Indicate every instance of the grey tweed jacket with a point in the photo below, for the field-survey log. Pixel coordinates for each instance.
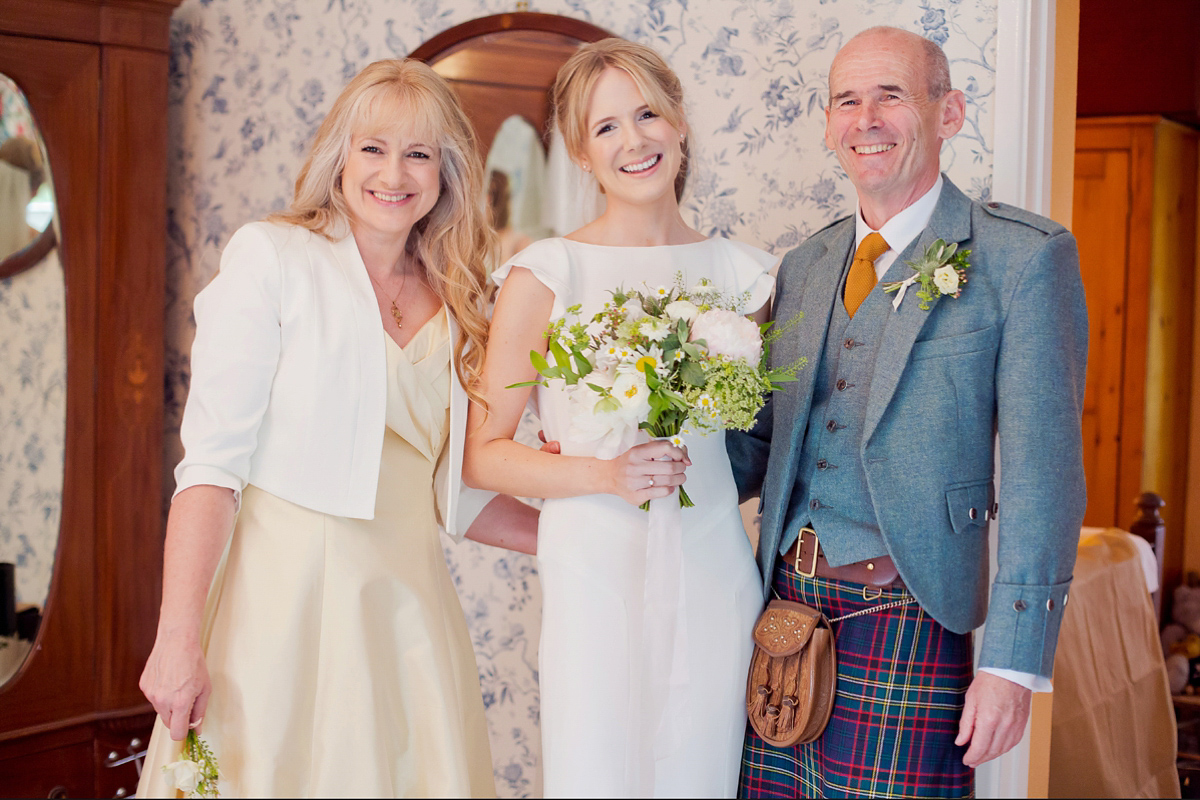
(1007, 357)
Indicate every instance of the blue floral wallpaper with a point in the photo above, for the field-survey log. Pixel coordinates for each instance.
(33, 365)
(251, 79)
(33, 421)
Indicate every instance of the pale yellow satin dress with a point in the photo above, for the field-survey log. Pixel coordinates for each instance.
(340, 660)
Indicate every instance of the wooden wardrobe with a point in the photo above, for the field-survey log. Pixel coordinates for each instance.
(95, 75)
(1135, 219)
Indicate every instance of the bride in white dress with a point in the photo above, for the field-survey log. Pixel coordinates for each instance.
(610, 727)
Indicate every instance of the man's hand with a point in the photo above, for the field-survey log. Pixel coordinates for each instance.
(993, 719)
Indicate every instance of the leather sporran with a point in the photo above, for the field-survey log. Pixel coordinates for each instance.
(793, 674)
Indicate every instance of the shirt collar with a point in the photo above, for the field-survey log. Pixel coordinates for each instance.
(900, 230)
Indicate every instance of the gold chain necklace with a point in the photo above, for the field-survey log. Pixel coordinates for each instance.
(397, 314)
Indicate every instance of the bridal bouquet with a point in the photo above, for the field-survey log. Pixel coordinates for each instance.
(670, 361)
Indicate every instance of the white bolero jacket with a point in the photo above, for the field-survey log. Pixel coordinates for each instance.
(288, 387)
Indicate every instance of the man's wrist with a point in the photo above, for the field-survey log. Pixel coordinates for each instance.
(1035, 683)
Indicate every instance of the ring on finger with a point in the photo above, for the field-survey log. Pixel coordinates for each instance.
(651, 480)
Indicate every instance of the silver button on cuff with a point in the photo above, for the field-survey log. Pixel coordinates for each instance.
(1050, 604)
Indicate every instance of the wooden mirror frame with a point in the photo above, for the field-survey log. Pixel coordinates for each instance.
(515, 21)
(30, 255)
(530, 47)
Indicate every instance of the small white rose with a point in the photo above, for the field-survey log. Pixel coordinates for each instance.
(633, 309)
(945, 278)
(729, 334)
(682, 309)
(183, 775)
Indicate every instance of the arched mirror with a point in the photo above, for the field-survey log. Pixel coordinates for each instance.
(503, 67)
(32, 379)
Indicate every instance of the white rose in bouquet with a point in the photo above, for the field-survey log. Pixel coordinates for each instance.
(682, 309)
(727, 333)
(183, 775)
(633, 309)
(631, 391)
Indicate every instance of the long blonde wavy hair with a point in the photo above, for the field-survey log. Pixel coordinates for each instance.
(454, 241)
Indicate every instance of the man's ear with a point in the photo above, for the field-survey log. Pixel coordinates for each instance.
(954, 113)
(829, 143)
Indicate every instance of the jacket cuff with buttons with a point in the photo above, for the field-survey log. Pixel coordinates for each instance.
(1023, 613)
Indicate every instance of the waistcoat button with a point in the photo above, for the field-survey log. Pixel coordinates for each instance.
(814, 504)
(822, 463)
(1019, 605)
(849, 345)
(841, 385)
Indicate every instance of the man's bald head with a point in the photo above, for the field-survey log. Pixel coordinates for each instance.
(935, 64)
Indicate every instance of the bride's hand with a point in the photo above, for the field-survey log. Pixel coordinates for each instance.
(647, 471)
(176, 683)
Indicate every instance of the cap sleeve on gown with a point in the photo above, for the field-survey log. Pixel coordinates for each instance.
(550, 263)
(751, 273)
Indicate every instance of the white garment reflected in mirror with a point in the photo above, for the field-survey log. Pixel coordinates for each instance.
(533, 195)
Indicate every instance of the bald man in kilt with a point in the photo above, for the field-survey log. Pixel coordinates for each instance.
(875, 468)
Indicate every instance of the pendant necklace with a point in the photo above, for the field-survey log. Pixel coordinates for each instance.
(397, 314)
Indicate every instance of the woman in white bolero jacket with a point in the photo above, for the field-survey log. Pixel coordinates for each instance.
(335, 353)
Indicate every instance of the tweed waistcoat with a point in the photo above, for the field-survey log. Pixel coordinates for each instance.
(831, 492)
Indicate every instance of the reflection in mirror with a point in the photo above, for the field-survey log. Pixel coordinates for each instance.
(503, 80)
(32, 380)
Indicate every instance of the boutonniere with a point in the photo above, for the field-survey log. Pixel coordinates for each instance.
(942, 271)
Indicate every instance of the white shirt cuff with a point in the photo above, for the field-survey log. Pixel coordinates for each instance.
(1036, 683)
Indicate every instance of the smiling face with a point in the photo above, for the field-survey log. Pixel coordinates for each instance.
(885, 128)
(634, 153)
(391, 178)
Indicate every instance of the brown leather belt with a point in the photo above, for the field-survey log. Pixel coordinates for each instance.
(808, 559)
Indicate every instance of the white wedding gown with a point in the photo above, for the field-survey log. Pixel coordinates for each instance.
(600, 737)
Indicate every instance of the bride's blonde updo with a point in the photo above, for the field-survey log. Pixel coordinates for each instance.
(454, 241)
(657, 82)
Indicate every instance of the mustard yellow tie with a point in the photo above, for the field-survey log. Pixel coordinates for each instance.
(862, 279)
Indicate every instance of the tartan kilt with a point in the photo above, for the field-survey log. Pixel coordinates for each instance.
(901, 682)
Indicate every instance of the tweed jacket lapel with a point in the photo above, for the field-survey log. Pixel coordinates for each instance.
(951, 222)
(815, 301)
(814, 297)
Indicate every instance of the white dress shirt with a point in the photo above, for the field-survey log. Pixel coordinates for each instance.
(899, 232)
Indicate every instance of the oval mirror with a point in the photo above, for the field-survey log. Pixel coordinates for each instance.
(502, 68)
(33, 368)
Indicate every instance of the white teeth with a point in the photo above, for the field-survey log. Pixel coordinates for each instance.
(873, 148)
(643, 166)
(390, 198)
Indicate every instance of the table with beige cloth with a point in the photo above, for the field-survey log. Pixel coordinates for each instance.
(1113, 731)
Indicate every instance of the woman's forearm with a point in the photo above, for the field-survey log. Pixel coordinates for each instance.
(198, 526)
(505, 466)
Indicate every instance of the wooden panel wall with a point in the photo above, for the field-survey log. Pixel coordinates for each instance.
(1135, 212)
(1169, 379)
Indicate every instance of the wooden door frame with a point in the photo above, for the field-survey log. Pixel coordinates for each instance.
(1037, 66)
